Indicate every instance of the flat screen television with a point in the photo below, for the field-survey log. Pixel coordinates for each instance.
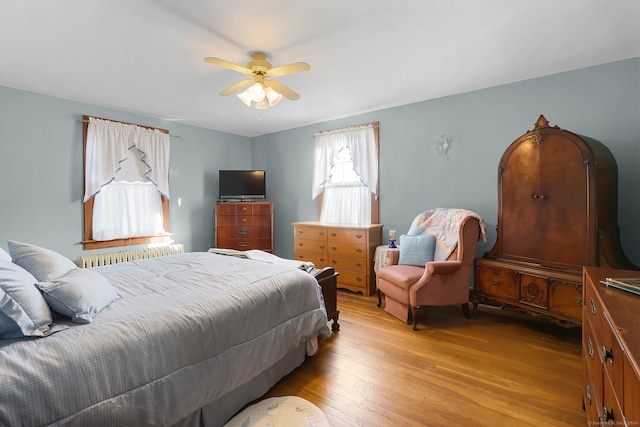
(242, 184)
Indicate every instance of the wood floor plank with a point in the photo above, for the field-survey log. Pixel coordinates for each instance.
(503, 369)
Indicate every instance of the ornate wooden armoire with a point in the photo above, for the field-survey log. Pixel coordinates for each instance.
(557, 212)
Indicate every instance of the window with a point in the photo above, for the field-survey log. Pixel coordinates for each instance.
(345, 176)
(126, 198)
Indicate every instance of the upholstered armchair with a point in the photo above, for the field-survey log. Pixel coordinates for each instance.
(442, 276)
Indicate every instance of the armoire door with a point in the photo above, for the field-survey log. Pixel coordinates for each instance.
(544, 213)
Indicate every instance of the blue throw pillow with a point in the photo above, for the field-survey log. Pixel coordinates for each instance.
(417, 250)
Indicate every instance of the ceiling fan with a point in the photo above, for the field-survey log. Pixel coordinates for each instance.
(261, 92)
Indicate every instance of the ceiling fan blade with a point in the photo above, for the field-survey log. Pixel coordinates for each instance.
(296, 67)
(230, 65)
(236, 87)
(284, 90)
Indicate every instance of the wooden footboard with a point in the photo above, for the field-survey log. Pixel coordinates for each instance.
(327, 278)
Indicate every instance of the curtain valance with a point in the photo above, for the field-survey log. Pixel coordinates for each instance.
(107, 146)
(361, 143)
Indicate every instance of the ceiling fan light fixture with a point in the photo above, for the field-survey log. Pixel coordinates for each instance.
(245, 97)
(257, 92)
(273, 96)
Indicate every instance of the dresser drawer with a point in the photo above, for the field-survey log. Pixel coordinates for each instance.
(347, 250)
(348, 235)
(565, 297)
(247, 232)
(343, 264)
(246, 244)
(310, 232)
(246, 208)
(309, 245)
(318, 259)
(351, 280)
(495, 281)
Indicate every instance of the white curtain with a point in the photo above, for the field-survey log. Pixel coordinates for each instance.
(107, 146)
(126, 204)
(361, 143)
(346, 203)
(127, 209)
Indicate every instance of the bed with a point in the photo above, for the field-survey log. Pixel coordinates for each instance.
(186, 340)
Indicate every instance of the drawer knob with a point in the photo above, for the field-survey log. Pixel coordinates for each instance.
(321, 246)
(358, 236)
(244, 209)
(300, 231)
(579, 300)
(359, 264)
(334, 248)
(358, 279)
(359, 251)
(321, 233)
(587, 389)
(496, 282)
(607, 414)
(334, 234)
(243, 220)
(244, 244)
(590, 345)
(244, 231)
(607, 355)
(593, 306)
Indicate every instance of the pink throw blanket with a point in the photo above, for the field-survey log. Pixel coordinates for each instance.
(444, 223)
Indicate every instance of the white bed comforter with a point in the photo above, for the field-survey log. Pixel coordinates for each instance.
(186, 330)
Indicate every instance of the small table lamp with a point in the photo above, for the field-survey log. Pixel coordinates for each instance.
(392, 239)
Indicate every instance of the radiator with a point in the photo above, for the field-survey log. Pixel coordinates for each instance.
(109, 258)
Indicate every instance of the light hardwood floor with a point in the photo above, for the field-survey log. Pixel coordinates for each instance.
(503, 369)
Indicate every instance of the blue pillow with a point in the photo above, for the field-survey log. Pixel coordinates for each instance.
(417, 250)
(80, 294)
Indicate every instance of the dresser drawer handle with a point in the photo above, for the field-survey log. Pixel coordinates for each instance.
(496, 282)
(359, 264)
(243, 209)
(322, 260)
(334, 248)
(590, 345)
(606, 355)
(320, 233)
(358, 236)
(359, 251)
(321, 246)
(300, 232)
(245, 232)
(587, 389)
(334, 262)
(243, 220)
(579, 300)
(608, 414)
(300, 244)
(244, 244)
(358, 279)
(593, 306)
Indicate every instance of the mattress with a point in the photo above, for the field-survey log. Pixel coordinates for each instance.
(185, 330)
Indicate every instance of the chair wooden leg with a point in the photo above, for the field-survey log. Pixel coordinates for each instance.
(379, 297)
(414, 317)
(465, 310)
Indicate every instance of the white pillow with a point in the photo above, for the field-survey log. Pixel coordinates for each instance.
(23, 310)
(4, 256)
(80, 294)
(44, 264)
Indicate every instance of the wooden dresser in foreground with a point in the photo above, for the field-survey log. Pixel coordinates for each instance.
(244, 225)
(348, 249)
(610, 349)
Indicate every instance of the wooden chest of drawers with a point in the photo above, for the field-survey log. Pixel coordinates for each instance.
(244, 225)
(347, 249)
(610, 350)
(550, 293)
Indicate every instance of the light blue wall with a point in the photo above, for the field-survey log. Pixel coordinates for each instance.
(601, 102)
(41, 157)
(41, 171)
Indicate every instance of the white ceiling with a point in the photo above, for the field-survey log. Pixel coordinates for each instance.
(146, 56)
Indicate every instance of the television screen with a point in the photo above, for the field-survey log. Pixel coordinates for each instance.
(242, 184)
